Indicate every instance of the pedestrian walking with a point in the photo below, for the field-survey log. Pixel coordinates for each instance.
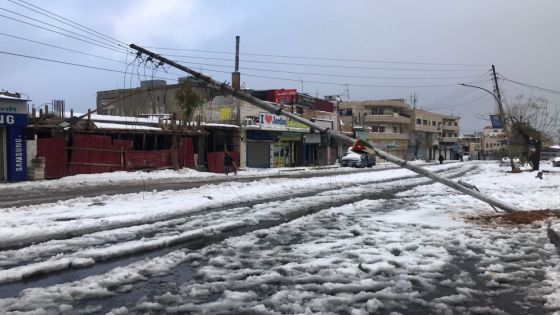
(441, 158)
(229, 164)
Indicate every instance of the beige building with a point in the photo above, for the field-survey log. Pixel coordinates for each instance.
(394, 126)
(492, 142)
(384, 123)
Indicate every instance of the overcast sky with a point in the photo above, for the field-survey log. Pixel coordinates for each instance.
(422, 47)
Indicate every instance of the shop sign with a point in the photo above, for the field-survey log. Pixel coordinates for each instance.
(312, 138)
(267, 120)
(18, 108)
(296, 124)
(13, 120)
(17, 157)
(290, 136)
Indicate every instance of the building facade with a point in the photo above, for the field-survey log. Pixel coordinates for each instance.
(384, 123)
(492, 143)
(392, 125)
(262, 139)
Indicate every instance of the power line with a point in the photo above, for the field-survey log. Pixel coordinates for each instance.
(337, 83)
(461, 104)
(60, 33)
(462, 91)
(332, 75)
(70, 63)
(78, 25)
(324, 65)
(323, 58)
(94, 33)
(59, 47)
(531, 86)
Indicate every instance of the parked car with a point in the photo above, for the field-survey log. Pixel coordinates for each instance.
(555, 161)
(506, 161)
(354, 159)
(465, 157)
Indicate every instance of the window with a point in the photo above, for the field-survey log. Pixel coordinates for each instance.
(377, 111)
(425, 122)
(455, 123)
(345, 112)
(378, 129)
(394, 129)
(418, 121)
(433, 123)
(439, 123)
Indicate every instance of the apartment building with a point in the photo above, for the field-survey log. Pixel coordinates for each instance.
(492, 142)
(408, 133)
(384, 123)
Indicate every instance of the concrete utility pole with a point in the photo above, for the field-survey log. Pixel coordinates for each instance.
(273, 108)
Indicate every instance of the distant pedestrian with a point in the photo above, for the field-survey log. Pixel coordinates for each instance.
(441, 158)
(229, 164)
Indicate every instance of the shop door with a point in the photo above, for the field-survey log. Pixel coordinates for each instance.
(258, 154)
(2, 154)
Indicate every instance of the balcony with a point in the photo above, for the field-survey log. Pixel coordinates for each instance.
(450, 139)
(426, 128)
(397, 119)
(387, 136)
(450, 128)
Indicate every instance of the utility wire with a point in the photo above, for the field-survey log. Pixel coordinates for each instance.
(337, 83)
(460, 104)
(323, 58)
(58, 47)
(69, 63)
(77, 25)
(60, 33)
(531, 86)
(325, 66)
(102, 37)
(331, 75)
(76, 51)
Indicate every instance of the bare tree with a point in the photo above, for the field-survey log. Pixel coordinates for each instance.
(531, 122)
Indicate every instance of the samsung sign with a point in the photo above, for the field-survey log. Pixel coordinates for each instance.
(13, 120)
(17, 161)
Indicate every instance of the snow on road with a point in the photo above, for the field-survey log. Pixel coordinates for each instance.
(410, 252)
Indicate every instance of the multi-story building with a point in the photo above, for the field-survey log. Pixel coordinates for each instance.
(493, 141)
(384, 123)
(470, 144)
(394, 126)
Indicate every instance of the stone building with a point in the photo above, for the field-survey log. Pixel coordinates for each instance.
(384, 123)
(394, 126)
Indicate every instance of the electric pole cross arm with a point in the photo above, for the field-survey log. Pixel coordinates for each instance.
(270, 107)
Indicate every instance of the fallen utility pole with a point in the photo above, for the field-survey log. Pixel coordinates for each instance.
(272, 108)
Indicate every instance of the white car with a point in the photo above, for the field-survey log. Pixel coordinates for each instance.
(354, 159)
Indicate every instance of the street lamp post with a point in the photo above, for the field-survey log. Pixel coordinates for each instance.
(502, 117)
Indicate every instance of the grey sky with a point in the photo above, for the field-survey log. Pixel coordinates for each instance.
(519, 37)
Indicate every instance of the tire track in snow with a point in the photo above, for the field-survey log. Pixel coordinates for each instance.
(214, 233)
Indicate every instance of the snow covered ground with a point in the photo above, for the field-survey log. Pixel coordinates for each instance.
(366, 245)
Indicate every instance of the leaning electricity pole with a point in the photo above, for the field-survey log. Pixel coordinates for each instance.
(503, 117)
(278, 110)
